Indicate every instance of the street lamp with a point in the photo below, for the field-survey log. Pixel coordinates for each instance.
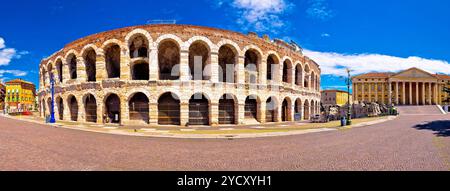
(349, 82)
(52, 89)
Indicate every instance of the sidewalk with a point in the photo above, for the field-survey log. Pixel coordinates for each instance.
(223, 132)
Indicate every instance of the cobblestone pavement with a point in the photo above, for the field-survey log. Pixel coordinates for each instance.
(407, 143)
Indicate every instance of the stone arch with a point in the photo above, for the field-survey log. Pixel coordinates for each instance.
(60, 105)
(286, 109)
(44, 76)
(313, 80)
(49, 105)
(59, 69)
(251, 107)
(273, 61)
(112, 50)
(306, 110)
(168, 109)
(90, 107)
(199, 109)
(230, 43)
(71, 60)
(169, 57)
(50, 70)
(138, 46)
(298, 107)
(72, 104)
(140, 70)
(299, 74)
(252, 65)
(200, 51)
(89, 56)
(287, 70)
(271, 109)
(112, 108)
(228, 60)
(306, 78)
(228, 109)
(212, 47)
(138, 106)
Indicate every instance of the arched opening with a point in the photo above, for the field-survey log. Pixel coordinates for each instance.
(251, 64)
(199, 59)
(298, 108)
(60, 105)
(44, 77)
(227, 114)
(168, 109)
(287, 71)
(313, 107)
(90, 107)
(72, 62)
(198, 110)
(271, 110)
(298, 75)
(112, 108)
(138, 46)
(313, 81)
(227, 63)
(43, 109)
(90, 58)
(168, 58)
(306, 78)
(251, 108)
(306, 112)
(112, 59)
(49, 105)
(272, 65)
(59, 70)
(140, 70)
(73, 108)
(286, 110)
(139, 107)
(50, 72)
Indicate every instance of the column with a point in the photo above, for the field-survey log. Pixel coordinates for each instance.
(376, 92)
(363, 87)
(241, 113)
(355, 91)
(184, 66)
(389, 92)
(81, 70)
(214, 114)
(417, 93)
(435, 95)
(423, 94)
(382, 93)
(125, 63)
(429, 94)
(184, 113)
(100, 68)
(396, 93)
(262, 72)
(153, 113)
(403, 93)
(153, 65)
(262, 111)
(370, 93)
(241, 70)
(215, 67)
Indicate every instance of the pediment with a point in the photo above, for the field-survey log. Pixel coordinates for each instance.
(413, 73)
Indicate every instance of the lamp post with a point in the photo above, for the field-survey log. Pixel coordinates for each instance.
(52, 89)
(349, 113)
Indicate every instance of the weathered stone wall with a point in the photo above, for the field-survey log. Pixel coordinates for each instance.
(184, 88)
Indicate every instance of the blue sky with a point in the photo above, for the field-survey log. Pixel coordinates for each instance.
(370, 35)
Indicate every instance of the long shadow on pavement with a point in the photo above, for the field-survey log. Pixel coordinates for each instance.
(441, 128)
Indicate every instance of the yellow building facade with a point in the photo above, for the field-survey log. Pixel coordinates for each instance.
(335, 97)
(20, 95)
(409, 87)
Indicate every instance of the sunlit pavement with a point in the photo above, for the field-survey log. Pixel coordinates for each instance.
(406, 143)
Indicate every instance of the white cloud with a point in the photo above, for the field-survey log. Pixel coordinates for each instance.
(16, 73)
(335, 63)
(319, 9)
(325, 35)
(7, 54)
(2, 43)
(260, 15)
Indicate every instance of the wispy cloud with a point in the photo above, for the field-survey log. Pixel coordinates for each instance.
(325, 35)
(259, 15)
(6, 54)
(16, 73)
(319, 9)
(335, 63)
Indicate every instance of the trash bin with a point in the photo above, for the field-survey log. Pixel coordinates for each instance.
(343, 121)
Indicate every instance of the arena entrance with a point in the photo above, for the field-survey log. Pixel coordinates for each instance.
(112, 105)
(73, 107)
(139, 108)
(60, 105)
(251, 108)
(285, 110)
(169, 109)
(226, 110)
(90, 107)
(198, 110)
(270, 110)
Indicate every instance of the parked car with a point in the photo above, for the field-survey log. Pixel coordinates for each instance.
(317, 118)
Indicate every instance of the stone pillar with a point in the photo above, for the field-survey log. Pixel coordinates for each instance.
(100, 108)
(383, 97)
(184, 65)
(423, 94)
(262, 72)
(389, 92)
(355, 91)
(363, 90)
(430, 102)
(215, 67)
(101, 73)
(153, 64)
(370, 93)
(240, 78)
(66, 115)
(153, 113)
(410, 93)
(81, 110)
(214, 114)
(240, 114)
(124, 111)
(81, 70)
(66, 74)
(435, 95)
(184, 113)
(125, 64)
(262, 111)
(417, 93)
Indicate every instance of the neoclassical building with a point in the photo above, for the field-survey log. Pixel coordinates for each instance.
(147, 75)
(409, 87)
